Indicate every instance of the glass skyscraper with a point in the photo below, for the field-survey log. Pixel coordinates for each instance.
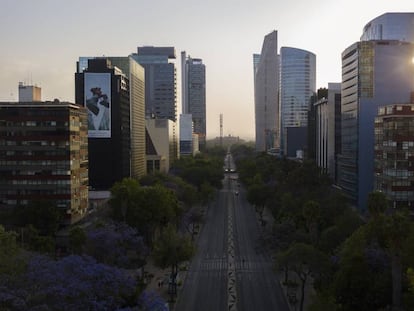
(160, 81)
(297, 85)
(374, 73)
(266, 94)
(135, 73)
(390, 26)
(193, 94)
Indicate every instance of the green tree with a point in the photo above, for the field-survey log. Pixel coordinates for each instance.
(10, 262)
(34, 241)
(148, 209)
(185, 192)
(257, 195)
(123, 195)
(200, 169)
(390, 231)
(77, 239)
(206, 192)
(305, 261)
(43, 215)
(170, 249)
(363, 277)
(311, 211)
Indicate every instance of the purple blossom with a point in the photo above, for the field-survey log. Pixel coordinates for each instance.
(72, 283)
(152, 301)
(116, 244)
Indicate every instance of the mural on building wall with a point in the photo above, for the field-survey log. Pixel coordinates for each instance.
(98, 102)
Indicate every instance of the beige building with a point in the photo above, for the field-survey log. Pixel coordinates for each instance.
(161, 144)
(29, 93)
(136, 77)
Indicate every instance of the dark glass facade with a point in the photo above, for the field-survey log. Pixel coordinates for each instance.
(194, 95)
(109, 154)
(374, 74)
(297, 86)
(160, 81)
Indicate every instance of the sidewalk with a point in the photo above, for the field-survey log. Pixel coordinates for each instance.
(292, 294)
(158, 280)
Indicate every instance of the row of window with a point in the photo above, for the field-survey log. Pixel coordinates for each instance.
(404, 155)
(26, 192)
(35, 153)
(59, 203)
(397, 173)
(61, 164)
(39, 182)
(61, 144)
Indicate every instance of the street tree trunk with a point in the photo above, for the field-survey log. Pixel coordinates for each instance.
(396, 270)
(302, 293)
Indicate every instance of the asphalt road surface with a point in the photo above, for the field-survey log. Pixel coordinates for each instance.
(231, 269)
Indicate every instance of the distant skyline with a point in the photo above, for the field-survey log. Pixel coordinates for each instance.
(42, 40)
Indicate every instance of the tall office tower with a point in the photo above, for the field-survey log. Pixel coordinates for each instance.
(266, 95)
(394, 147)
(256, 61)
(374, 73)
(160, 81)
(193, 77)
(136, 76)
(29, 93)
(44, 156)
(326, 130)
(334, 128)
(390, 26)
(105, 91)
(320, 98)
(297, 86)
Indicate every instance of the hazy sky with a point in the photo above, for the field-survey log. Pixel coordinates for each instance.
(41, 41)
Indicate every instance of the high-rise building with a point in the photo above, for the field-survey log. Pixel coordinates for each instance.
(44, 156)
(390, 26)
(376, 71)
(105, 91)
(160, 81)
(297, 86)
(394, 154)
(29, 93)
(193, 94)
(256, 61)
(266, 95)
(136, 75)
(326, 134)
(374, 74)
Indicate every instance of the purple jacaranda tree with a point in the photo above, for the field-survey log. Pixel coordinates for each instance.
(150, 300)
(76, 279)
(116, 244)
(72, 283)
(191, 219)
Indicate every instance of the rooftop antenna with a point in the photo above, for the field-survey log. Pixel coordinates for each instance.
(221, 129)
